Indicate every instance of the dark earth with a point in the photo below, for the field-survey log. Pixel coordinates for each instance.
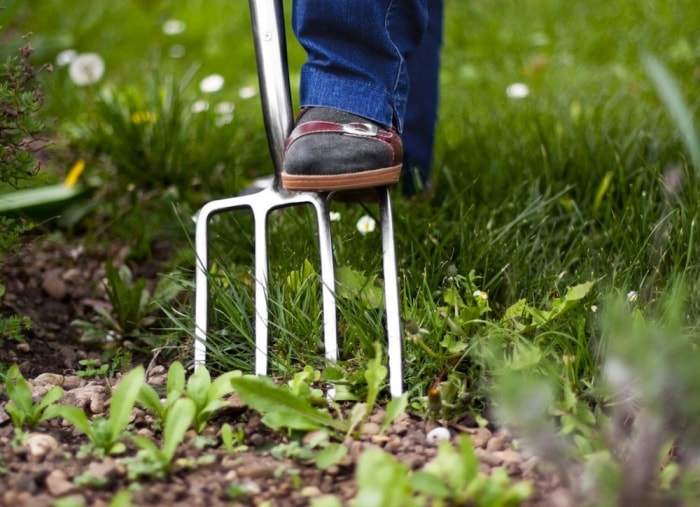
(54, 282)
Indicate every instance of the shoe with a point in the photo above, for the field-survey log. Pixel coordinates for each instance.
(331, 150)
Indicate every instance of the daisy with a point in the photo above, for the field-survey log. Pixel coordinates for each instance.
(518, 91)
(366, 224)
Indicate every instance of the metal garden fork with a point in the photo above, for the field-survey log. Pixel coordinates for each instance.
(267, 18)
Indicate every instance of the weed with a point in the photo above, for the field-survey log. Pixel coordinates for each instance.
(158, 462)
(207, 395)
(107, 434)
(21, 408)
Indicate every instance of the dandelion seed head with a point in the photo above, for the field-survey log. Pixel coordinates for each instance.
(66, 57)
(518, 91)
(366, 224)
(173, 27)
(212, 83)
(86, 69)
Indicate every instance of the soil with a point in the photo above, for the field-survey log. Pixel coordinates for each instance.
(55, 282)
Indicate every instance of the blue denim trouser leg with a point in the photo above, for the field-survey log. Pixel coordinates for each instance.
(421, 113)
(356, 54)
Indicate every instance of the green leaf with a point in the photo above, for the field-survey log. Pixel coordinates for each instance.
(221, 386)
(394, 408)
(382, 481)
(427, 483)
(74, 415)
(18, 390)
(52, 396)
(179, 419)
(123, 401)
(353, 284)
(149, 399)
(286, 410)
(375, 374)
(198, 386)
(330, 456)
(176, 378)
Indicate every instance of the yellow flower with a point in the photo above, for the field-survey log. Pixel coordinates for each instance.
(74, 173)
(143, 117)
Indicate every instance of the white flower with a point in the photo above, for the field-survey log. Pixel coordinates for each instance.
(632, 296)
(366, 224)
(594, 308)
(223, 119)
(212, 83)
(334, 216)
(224, 107)
(86, 69)
(177, 51)
(199, 106)
(518, 91)
(173, 27)
(66, 57)
(482, 294)
(247, 92)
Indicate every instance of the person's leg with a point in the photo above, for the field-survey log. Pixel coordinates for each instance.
(421, 113)
(356, 77)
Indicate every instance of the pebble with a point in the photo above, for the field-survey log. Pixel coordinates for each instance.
(480, 437)
(370, 429)
(54, 286)
(437, 435)
(509, 456)
(108, 469)
(488, 457)
(40, 445)
(58, 484)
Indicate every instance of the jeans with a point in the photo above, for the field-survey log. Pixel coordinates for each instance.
(359, 57)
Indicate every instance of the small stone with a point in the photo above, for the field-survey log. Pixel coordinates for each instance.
(480, 437)
(437, 435)
(39, 445)
(257, 471)
(23, 347)
(370, 429)
(108, 469)
(488, 457)
(496, 443)
(58, 484)
(509, 456)
(314, 438)
(49, 379)
(310, 491)
(378, 416)
(54, 286)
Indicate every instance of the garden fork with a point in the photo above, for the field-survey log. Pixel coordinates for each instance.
(267, 18)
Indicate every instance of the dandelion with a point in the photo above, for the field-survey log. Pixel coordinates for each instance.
(86, 69)
(173, 27)
(632, 296)
(74, 173)
(140, 117)
(66, 57)
(199, 106)
(334, 216)
(518, 91)
(366, 224)
(212, 83)
(247, 92)
(481, 294)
